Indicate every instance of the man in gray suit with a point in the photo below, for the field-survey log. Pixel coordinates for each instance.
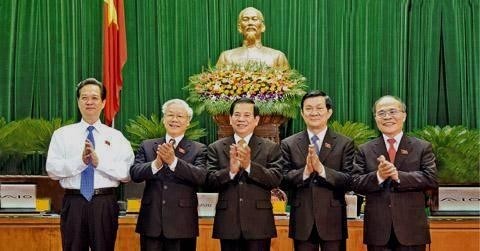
(316, 169)
(393, 171)
(173, 168)
(244, 168)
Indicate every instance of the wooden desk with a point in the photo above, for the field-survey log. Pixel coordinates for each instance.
(24, 232)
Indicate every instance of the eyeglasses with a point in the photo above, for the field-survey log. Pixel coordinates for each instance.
(178, 116)
(384, 113)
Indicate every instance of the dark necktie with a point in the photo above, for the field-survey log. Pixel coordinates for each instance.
(391, 150)
(315, 144)
(172, 141)
(86, 183)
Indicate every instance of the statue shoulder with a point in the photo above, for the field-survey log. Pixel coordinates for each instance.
(272, 51)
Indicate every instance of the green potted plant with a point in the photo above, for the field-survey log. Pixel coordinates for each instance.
(357, 131)
(277, 92)
(24, 138)
(457, 150)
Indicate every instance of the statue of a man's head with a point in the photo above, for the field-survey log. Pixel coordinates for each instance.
(250, 23)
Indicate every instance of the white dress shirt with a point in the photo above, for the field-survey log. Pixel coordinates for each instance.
(64, 159)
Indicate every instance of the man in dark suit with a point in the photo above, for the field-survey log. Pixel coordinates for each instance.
(173, 168)
(393, 171)
(316, 168)
(243, 169)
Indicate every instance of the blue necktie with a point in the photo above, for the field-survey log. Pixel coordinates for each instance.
(86, 183)
(315, 144)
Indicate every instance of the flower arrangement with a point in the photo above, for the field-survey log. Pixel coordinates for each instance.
(276, 91)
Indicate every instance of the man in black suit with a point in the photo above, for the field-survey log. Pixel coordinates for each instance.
(393, 171)
(244, 168)
(316, 168)
(173, 168)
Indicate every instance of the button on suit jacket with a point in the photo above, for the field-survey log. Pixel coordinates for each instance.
(244, 206)
(401, 205)
(169, 203)
(318, 202)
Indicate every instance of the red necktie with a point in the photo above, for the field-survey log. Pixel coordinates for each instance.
(391, 150)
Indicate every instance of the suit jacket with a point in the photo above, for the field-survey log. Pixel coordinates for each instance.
(318, 202)
(244, 206)
(169, 203)
(401, 205)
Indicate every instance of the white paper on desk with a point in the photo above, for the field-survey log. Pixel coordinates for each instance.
(206, 204)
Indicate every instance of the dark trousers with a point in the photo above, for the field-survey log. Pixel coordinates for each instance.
(314, 242)
(85, 224)
(245, 245)
(394, 245)
(164, 244)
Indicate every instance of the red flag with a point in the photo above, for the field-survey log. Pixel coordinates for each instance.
(114, 55)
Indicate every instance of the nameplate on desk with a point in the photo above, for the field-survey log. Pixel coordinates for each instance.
(459, 199)
(18, 196)
(206, 204)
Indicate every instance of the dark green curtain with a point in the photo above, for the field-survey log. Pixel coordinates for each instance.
(427, 52)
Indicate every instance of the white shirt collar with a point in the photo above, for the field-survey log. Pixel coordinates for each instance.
(177, 139)
(98, 125)
(397, 138)
(320, 135)
(246, 138)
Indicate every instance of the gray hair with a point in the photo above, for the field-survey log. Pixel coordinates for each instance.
(178, 102)
(404, 107)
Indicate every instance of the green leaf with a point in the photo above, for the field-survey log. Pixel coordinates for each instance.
(358, 132)
(457, 150)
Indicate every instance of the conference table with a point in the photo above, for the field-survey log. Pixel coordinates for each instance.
(42, 232)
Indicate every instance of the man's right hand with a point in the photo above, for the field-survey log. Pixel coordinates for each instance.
(158, 160)
(309, 165)
(234, 161)
(386, 169)
(87, 151)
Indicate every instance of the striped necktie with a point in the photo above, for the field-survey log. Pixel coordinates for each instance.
(315, 144)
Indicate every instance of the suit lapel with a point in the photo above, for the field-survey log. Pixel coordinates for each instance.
(155, 145)
(182, 148)
(226, 145)
(255, 145)
(327, 145)
(404, 148)
(380, 148)
(302, 143)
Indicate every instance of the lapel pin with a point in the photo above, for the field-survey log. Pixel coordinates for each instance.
(403, 151)
(327, 145)
(181, 150)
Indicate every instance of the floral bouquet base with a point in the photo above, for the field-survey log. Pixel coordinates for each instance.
(275, 90)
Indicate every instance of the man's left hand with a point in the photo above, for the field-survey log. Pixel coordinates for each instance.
(167, 153)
